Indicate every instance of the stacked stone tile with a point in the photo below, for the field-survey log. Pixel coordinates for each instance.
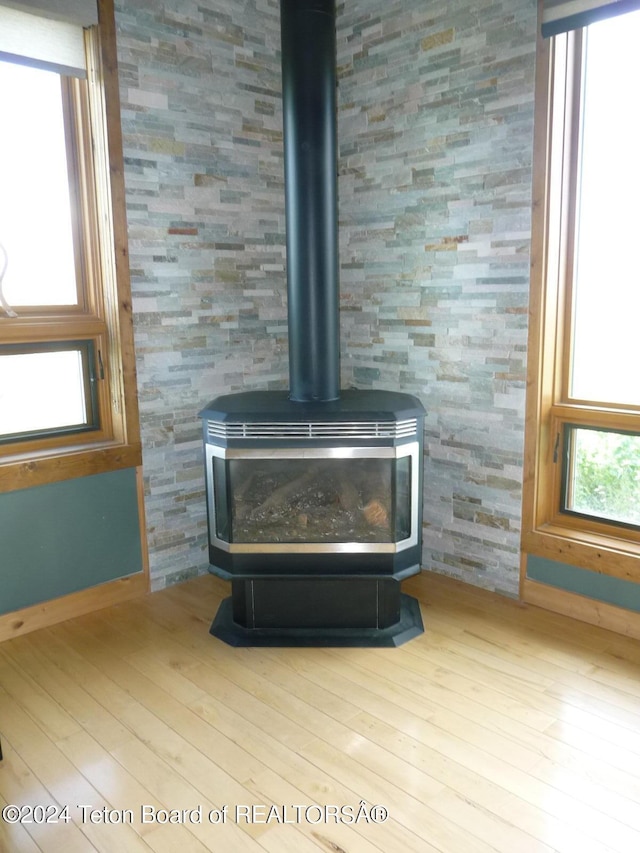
(435, 134)
(201, 113)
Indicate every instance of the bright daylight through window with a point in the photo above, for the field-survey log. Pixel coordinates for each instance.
(606, 343)
(35, 207)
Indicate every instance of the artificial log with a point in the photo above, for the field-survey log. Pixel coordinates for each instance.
(348, 495)
(288, 490)
(376, 513)
(377, 510)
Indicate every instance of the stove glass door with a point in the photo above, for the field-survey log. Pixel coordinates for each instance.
(365, 496)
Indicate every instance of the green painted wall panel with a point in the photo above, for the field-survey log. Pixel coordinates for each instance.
(64, 537)
(572, 579)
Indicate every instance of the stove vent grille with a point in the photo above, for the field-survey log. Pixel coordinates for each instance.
(313, 429)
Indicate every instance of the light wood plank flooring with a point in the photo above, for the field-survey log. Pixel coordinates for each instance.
(502, 728)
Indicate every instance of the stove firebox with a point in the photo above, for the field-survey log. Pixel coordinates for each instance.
(314, 516)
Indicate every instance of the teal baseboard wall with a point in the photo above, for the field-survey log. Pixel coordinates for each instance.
(604, 588)
(65, 537)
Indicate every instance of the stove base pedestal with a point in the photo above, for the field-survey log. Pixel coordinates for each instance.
(408, 625)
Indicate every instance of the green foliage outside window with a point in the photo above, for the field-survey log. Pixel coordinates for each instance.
(606, 475)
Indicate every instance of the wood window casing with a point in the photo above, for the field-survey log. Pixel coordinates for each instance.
(103, 313)
(548, 531)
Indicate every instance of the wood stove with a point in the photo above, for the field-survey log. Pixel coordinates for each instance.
(313, 496)
(314, 515)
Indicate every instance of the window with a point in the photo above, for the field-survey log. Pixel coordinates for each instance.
(67, 384)
(52, 376)
(61, 380)
(601, 475)
(582, 489)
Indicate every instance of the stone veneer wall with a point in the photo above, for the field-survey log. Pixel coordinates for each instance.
(435, 139)
(202, 128)
(435, 136)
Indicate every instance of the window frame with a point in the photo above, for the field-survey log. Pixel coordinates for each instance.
(90, 376)
(39, 325)
(103, 316)
(549, 531)
(568, 450)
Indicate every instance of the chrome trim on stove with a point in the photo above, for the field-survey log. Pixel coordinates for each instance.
(312, 547)
(313, 429)
(212, 451)
(310, 452)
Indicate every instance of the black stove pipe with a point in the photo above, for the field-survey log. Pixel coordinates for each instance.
(310, 158)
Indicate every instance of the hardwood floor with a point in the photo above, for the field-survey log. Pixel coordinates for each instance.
(502, 728)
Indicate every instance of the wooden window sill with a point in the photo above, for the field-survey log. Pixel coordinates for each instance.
(596, 552)
(21, 471)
